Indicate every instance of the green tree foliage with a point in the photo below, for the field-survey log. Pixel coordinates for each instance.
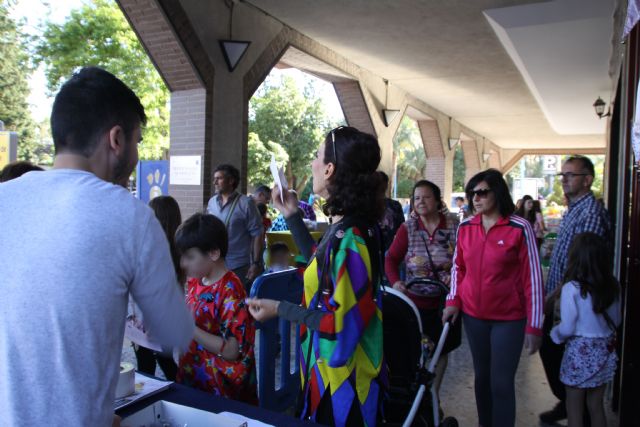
(259, 159)
(459, 169)
(292, 119)
(15, 70)
(98, 34)
(408, 156)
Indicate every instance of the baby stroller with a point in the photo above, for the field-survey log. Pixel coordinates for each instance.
(411, 399)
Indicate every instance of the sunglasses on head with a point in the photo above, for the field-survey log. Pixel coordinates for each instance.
(333, 143)
(480, 193)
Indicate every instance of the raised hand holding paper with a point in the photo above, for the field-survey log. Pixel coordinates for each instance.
(278, 177)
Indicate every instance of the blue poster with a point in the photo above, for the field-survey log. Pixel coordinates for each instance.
(152, 179)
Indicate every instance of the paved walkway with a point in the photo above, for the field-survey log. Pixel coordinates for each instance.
(533, 394)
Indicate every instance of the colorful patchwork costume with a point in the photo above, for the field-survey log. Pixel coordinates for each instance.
(343, 360)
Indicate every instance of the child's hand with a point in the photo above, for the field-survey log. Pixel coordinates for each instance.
(263, 309)
(532, 343)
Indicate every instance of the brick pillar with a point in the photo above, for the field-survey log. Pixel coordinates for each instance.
(471, 159)
(354, 106)
(439, 169)
(188, 125)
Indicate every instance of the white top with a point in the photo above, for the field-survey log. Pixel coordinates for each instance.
(577, 316)
(72, 249)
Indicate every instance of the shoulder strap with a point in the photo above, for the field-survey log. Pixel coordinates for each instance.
(231, 209)
(426, 245)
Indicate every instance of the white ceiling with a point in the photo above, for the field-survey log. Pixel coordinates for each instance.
(446, 53)
(562, 50)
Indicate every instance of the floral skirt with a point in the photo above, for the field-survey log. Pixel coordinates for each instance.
(588, 362)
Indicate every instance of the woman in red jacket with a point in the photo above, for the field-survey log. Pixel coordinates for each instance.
(496, 282)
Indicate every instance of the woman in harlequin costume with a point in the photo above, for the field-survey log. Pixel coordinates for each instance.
(340, 314)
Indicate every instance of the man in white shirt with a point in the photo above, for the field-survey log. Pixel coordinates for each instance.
(74, 245)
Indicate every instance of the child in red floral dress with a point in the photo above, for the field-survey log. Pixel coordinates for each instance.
(220, 358)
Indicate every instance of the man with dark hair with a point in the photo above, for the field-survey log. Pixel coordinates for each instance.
(74, 246)
(262, 195)
(244, 224)
(585, 214)
(16, 169)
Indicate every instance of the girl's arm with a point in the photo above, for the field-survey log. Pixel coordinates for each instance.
(568, 314)
(228, 349)
(540, 220)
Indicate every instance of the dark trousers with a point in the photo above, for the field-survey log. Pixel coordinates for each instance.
(147, 359)
(495, 347)
(551, 355)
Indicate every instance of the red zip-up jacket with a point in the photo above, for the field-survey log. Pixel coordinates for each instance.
(496, 275)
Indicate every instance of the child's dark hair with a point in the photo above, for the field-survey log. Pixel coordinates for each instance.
(204, 232)
(167, 211)
(262, 208)
(278, 247)
(17, 169)
(589, 264)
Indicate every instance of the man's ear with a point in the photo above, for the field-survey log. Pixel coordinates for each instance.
(117, 139)
(588, 181)
(214, 255)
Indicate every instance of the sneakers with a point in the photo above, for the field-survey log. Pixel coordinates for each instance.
(559, 412)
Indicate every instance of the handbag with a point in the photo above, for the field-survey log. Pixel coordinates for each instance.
(428, 287)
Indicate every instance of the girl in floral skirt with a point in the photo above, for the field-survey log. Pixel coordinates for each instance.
(590, 314)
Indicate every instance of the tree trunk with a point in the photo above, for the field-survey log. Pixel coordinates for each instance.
(303, 183)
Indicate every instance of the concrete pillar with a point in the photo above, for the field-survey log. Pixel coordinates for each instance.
(471, 159)
(439, 169)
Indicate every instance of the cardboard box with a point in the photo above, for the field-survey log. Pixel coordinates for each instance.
(167, 414)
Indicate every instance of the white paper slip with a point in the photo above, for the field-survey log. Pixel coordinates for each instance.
(278, 177)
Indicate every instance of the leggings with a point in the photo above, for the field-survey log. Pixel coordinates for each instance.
(495, 347)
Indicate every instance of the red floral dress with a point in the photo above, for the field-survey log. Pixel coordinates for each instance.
(219, 309)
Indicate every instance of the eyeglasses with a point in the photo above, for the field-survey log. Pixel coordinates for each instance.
(570, 175)
(482, 193)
